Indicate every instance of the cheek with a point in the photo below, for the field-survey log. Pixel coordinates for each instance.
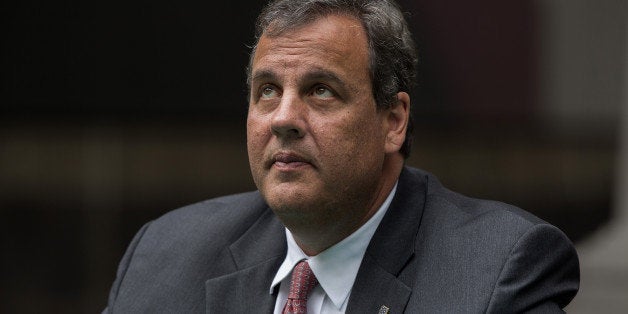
(351, 137)
(255, 142)
(255, 132)
(255, 150)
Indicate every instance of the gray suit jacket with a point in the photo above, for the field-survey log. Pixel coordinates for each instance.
(435, 251)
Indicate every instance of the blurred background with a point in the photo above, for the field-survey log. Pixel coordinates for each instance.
(113, 113)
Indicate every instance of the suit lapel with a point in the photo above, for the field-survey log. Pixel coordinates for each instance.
(245, 291)
(377, 288)
(384, 277)
(256, 256)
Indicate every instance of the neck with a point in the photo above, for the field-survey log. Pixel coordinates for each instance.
(314, 237)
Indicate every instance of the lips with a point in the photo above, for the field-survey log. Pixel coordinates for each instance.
(288, 160)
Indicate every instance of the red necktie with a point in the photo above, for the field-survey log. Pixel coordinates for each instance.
(303, 281)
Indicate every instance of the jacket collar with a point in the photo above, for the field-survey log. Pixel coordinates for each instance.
(256, 256)
(381, 281)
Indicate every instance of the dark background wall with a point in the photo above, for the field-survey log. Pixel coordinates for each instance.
(112, 114)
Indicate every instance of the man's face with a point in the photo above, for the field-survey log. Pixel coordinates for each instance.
(315, 138)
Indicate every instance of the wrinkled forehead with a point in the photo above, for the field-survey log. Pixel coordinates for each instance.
(289, 22)
(333, 36)
(281, 28)
(346, 31)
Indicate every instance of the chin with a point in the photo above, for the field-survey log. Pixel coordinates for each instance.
(284, 202)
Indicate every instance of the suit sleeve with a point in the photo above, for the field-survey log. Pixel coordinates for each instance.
(122, 268)
(540, 275)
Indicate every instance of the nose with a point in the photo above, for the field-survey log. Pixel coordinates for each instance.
(288, 119)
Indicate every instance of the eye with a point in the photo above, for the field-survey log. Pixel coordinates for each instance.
(322, 91)
(268, 91)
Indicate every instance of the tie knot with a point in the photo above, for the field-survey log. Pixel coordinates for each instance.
(303, 281)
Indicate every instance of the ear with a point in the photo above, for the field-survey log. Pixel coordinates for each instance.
(397, 122)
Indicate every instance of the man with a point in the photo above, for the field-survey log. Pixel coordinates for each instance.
(339, 225)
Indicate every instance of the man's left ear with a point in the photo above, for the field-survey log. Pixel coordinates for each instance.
(397, 122)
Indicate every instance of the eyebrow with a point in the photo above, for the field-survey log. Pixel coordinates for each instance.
(264, 75)
(316, 74)
(323, 75)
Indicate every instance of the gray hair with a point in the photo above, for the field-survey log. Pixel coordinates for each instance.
(392, 53)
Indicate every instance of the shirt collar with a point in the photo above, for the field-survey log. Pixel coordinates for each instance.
(337, 267)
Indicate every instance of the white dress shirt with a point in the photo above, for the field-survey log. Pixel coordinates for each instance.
(335, 268)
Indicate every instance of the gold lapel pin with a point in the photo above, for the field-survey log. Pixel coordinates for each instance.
(383, 310)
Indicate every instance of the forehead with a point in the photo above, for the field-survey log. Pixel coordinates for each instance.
(335, 41)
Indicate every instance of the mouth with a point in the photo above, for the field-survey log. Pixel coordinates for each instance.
(288, 161)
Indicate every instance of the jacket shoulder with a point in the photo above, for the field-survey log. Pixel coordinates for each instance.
(457, 208)
(479, 252)
(222, 219)
(171, 257)
(220, 210)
